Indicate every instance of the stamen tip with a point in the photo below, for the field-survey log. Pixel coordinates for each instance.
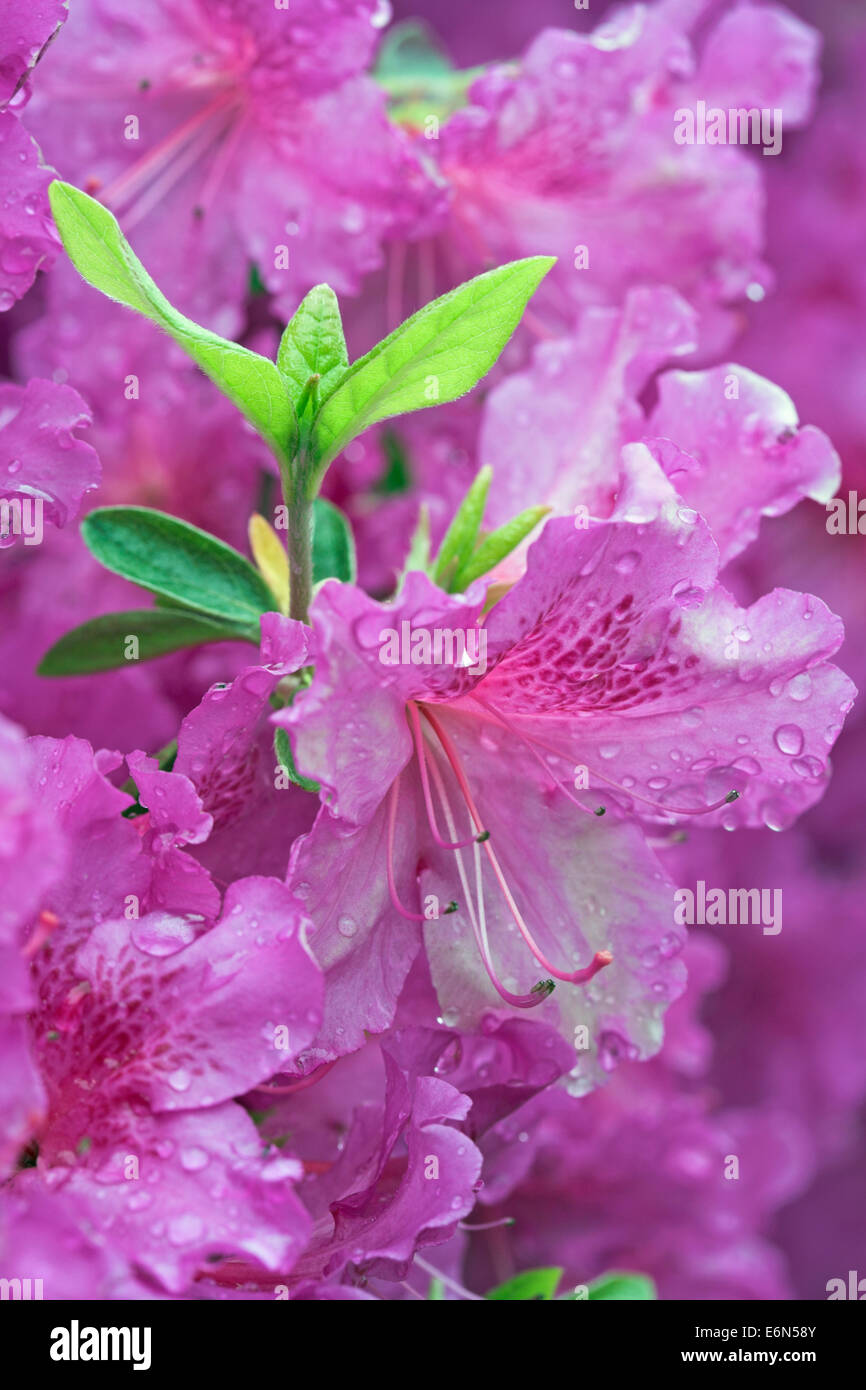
(600, 810)
(485, 835)
(732, 796)
(452, 907)
(544, 988)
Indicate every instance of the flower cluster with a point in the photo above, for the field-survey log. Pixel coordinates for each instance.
(413, 594)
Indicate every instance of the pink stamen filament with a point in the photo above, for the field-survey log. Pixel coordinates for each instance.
(425, 784)
(518, 1001)
(46, 924)
(392, 886)
(635, 796)
(599, 960)
(168, 151)
(557, 781)
(162, 153)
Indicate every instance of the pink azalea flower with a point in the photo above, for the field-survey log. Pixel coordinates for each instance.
(730, 441)
(148, 1022)
(401, 1180)
(575, 149)
(611, 659)
(251, 128)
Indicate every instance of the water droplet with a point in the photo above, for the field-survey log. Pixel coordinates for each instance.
(627, 562)
(193, 1160)
(687, 595)
(381, 14)
(180, 1080)
(800, 686)
(182, 1230)
(347, 926)
(788, 738)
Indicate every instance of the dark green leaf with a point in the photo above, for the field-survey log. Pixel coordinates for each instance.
(333, 544)
(180, 563)
(102, 643)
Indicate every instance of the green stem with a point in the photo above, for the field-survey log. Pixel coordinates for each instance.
(298, 494)
(300, 546)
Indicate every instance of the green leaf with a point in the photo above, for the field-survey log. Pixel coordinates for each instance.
(620, 1286)
(102, 255)
(462, 534)
(497, 545)
(313, 344)
(435, 356)
(180, 563)
(532, 1284)
(333, 544)
(285, 758)
(101, 643)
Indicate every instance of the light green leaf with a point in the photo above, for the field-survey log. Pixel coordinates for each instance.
(462, 534)
(435, 356)
(102, 255)
(620, 1286)
(497, 545)
(333, 544)
(180, 563)
(313, 344)
(102, 643)
(533, 1284)
(285, 758)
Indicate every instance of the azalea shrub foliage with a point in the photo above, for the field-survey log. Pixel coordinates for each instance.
(428, 770)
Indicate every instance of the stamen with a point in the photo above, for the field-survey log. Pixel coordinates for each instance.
(392, 886)
(488, 1225)
(186, 159)
(557, 782)
(574, 977)
(46, 924)
(136, 176)
(519, 1001)
(420, 754)
(635, 796)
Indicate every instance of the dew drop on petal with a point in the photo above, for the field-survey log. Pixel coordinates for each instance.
(788, 738)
